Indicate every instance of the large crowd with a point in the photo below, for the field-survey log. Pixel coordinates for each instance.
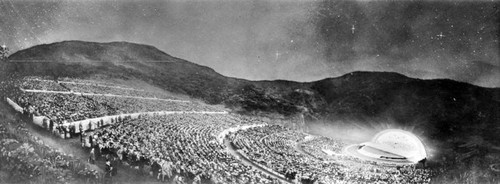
(133, 105)
(41, 84)
(173, 146)
(61, 108)
(110, 89)
(103, 87)
(277, 149)
(185, 148)
(323, 147)
(89, 81)
(86, 86)
(71, 107)
(274, 147)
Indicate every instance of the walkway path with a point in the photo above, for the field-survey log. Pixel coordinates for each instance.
(85, 124)
(126, 174)
(232, 150)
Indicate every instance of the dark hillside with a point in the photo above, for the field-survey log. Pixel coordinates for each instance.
(445, 109)
(124, 61)
(79, 51)
(442, 107)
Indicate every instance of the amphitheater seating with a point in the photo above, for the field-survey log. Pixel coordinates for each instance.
(323, 147)
(41, 84)
(189, 144)
(187, 141)
(116, 90)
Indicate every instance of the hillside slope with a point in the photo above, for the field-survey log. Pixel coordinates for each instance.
(442, 109)
(120, 60)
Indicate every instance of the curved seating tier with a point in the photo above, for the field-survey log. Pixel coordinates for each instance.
(276, 148)
(189, 142)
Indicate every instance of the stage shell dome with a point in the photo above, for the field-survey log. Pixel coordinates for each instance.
(400, 142)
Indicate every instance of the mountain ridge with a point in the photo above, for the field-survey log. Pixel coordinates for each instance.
(441, 108)
(93, 50)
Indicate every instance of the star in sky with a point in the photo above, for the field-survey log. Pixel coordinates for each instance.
(440, 35)
(315, 39)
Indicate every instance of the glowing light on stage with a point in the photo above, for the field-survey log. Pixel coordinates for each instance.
(403, 143)
(391, 145)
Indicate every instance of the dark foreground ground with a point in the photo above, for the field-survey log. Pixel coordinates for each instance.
(44, 143)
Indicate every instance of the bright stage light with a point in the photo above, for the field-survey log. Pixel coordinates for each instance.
(391, 145)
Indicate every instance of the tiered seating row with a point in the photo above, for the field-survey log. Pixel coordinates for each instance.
(275, 148)
(187, 144)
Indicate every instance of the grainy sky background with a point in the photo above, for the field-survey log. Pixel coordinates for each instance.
(293, 40)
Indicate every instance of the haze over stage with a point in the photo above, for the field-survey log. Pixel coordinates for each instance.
(176, 78)
(189, 139)
(450, 112)
(391, 146)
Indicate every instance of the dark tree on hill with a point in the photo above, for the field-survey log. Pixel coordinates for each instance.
(4, 52)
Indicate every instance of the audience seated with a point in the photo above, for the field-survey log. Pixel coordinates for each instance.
(188, 147)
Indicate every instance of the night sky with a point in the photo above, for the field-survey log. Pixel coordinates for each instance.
(292, 40)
